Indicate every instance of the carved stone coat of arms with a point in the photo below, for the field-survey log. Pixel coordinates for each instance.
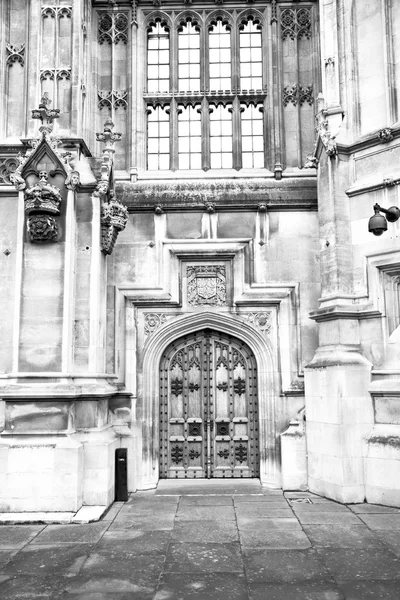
(206, 285)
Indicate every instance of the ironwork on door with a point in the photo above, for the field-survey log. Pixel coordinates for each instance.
(208, 408)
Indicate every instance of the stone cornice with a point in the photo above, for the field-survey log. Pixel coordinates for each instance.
(333, 313)
(369, 141)
(239, 194)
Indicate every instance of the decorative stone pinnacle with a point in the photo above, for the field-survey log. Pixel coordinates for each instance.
(108, 136)
(46, 115)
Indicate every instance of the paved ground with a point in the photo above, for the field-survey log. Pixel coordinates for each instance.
(220, 541)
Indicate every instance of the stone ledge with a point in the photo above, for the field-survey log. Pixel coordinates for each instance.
(86, 514)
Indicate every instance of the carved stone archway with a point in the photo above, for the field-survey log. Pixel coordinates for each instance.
(148, 391)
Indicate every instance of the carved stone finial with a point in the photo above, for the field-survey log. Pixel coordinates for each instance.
(108, 136)
(46, 115)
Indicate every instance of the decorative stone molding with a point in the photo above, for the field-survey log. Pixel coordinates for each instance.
(58, 12)
(295, 23)
(53, 74)
(210, 207)
(329, 60)
(260, 320)
(112, 99)
(153, 321)
(298, 94)
(15, 54)
(274, 15)
(385, 135)
(206, 285)
(262, 207)
(113, 28)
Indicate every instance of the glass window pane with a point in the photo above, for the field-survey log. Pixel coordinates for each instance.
(183, 85)
(195, 145)
(183, 128)
(226, 160)
(214, 70)
(213, 41)
(215, 144)
(152, 145)
(164, 145)
(152, 130)
(183, 144)
(183, 71)
(194, 71)
(152, 162)
(247, 161)
(162, 115)
(152, 72)
(244, 39)
(164, 57)
(258, 143)
(164, 129)
(256, 54)
(194, 56)
(215, 161)
(257, 83)
(225, 56)
(183, 40)
(227, 128)
(226, 144)
(246, 128)
(195, 128)
(256, 70)
(247, 144)
(245, 83)
(184, 161)
(152, 57)
(215, 128)
(183, 56)
(196, 161)
(256, 39)
(258, 160)
(164, 162)
(163, 43)
(152, 43)
(194, 41)
(226, 84)
(245, 55)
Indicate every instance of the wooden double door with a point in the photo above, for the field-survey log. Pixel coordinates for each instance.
(208, 408)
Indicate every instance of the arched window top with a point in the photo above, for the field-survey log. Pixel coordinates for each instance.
(219, 16)
(160, 19)
(158, 29)
(250, 18)
(186, 19)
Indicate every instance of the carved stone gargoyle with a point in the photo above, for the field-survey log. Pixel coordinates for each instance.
(42, 205)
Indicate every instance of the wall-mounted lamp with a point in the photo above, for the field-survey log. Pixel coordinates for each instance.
(378, 223)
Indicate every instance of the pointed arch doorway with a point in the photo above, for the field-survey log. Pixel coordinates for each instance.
(208, 408)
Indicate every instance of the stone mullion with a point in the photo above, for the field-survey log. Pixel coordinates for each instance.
(173, 55)
(297, 78)
(204, 61)
(277, 121)
(388, 49)
(236, 110)
(139, 116)
(205, 134)
(235, 58)
(132, 168)
(173, 139)
(4, 11)
(32, 65)
(77, 66)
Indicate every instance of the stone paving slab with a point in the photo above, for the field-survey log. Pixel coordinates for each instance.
(268, 524)
(288, 566)
(371, 590)
(134, 542)
(274, 540)
(323, 518)
(349, 565)
(372, 509)
(381, 521)
(32, 587)
(203, 586)
(204, 558)
(208, 500)
(46, 560)
(59, 534)
(296, 591)
(17, 536)
(149, 522)
(340, 536)
(205, 513)
(391, 539)
(205, 532)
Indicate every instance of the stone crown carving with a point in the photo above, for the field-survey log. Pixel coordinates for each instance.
(43, 197)
(114, 217)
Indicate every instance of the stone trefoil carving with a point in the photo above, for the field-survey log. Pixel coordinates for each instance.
(57, 11)
(113, 28)
(297, 94)
(153, 321)
(8, 166)
(15, 54)
(296, 22)
(114, 215)
(206, 285)
(112, 99)
(57, 74)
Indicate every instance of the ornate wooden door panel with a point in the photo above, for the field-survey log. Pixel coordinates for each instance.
(208, 408)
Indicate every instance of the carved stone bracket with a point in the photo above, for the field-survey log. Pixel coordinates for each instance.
(15, 54)
(113, 28)
(114, 217)
(326, 136)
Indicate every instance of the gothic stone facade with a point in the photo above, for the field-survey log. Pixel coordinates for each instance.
(186, 269)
